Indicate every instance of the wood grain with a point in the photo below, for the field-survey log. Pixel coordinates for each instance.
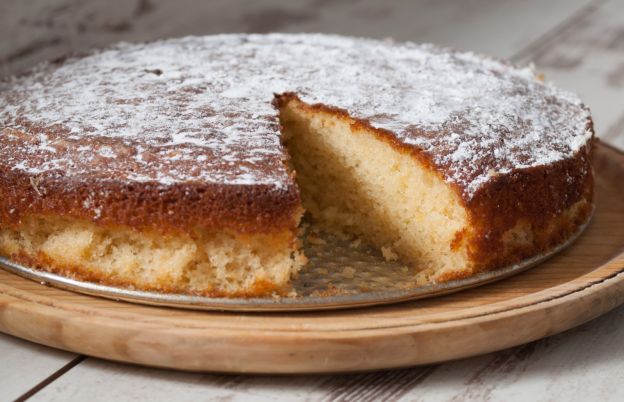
(573, 287)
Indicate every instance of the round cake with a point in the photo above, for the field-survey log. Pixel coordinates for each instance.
(185, 165)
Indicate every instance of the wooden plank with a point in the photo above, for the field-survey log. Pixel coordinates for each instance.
(583, 364)
(93, 381)
(47, 29)
(586, 55)
(24, 364)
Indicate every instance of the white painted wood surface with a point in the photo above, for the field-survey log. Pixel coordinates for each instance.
(23, 365)
(579, 44)
(43, 29)
(585, 54)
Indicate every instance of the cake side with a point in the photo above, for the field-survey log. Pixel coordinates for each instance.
(531, 210)
(114, 199)
(216, 264)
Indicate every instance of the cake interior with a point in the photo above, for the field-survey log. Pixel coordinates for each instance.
(353, 181)
(215, 264)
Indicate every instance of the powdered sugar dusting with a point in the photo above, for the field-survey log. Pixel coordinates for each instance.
(199, 108)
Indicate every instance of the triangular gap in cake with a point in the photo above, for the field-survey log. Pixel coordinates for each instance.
(353, 181)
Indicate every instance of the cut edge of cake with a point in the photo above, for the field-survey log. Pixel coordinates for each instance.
(394, 197)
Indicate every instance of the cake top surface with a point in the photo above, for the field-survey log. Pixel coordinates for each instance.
(200, 109)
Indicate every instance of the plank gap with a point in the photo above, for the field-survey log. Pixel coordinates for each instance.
(51, 378)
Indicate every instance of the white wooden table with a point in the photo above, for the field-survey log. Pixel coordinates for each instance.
(578, 44)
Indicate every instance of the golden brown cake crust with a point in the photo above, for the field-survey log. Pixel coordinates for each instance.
(180, 207)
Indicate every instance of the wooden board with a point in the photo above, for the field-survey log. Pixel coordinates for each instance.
(580, 284)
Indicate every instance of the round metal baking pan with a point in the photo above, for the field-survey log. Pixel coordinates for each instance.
(340, 274)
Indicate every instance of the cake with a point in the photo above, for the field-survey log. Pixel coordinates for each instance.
(186, 165)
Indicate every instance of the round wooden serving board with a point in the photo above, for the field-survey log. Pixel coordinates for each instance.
(573, 287)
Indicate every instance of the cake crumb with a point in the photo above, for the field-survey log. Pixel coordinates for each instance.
(389, 254)
(301, 259)
(356, 243)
